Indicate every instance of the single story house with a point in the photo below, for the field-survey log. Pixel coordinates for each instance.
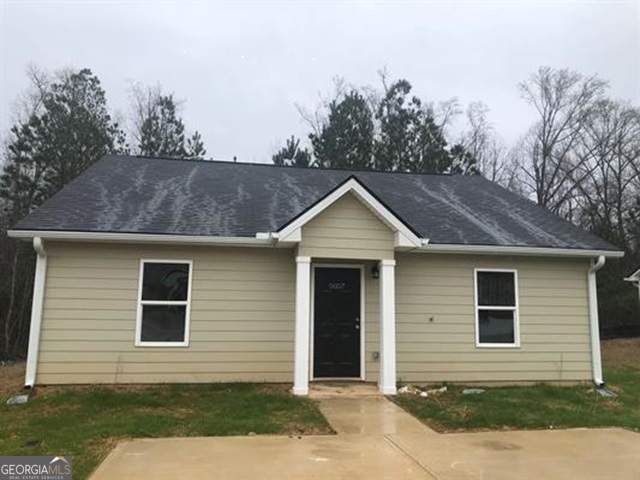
(634, 279)
(164, 270)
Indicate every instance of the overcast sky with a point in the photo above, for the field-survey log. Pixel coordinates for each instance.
(242, 66)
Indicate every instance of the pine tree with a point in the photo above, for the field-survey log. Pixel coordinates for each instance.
(70, 131)
(346, 140)
(292, 155)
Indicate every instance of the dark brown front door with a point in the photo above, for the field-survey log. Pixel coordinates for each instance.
(336, 333)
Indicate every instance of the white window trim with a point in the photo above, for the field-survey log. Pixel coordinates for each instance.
(140, 303)
(515, 309)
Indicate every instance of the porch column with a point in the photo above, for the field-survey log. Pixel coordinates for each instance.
(387, 379)
(303, 308)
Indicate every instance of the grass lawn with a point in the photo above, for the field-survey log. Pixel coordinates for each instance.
(540, 406)
(87, 422)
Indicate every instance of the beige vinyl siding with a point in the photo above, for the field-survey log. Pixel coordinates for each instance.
(554, 321)
(347, 230)
(242, 316)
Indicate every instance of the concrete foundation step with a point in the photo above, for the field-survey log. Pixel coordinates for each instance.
(342, 389)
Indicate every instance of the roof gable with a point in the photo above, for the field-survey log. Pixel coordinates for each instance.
(404, 235)
(634, 277)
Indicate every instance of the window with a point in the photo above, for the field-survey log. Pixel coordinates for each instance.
(164, 302)
(497, 308)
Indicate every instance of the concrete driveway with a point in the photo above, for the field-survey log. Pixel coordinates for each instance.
(377, 440)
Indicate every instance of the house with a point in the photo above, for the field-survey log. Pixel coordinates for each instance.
(164, 270)
(634, 279)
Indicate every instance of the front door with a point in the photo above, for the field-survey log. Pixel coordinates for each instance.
(336, 331)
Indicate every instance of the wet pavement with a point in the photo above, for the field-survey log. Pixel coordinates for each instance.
(378, 440)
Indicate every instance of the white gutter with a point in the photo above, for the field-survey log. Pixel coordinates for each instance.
(596, 358)
(527, 251)
(142, 238)
(36, 312)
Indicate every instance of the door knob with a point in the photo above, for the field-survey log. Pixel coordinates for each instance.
(357, 320)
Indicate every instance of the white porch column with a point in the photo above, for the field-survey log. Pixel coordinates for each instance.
(303, 310)
(387, 379)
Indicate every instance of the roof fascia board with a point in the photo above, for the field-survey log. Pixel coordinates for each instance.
(404, 236)
(142, 238)
(634, 277)
(270, 240)
(526, 251)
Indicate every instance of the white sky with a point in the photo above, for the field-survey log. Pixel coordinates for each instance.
(241, 66)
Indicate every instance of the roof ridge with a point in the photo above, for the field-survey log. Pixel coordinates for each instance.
(295, 167)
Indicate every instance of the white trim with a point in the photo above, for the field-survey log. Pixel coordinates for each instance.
(301, 345)
(140, 303)
(404, 236)
(37, 305)
(269, 239)
(594, 327)
(362, 269)
(512, 250)
(515, 309)
(634, 277)
(387, 286)
(144, 238)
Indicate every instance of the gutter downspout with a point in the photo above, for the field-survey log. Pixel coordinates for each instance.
(36, 312)
(596, 359)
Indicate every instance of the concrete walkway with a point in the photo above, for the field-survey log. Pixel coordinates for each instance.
(378, 440)
(373, 415)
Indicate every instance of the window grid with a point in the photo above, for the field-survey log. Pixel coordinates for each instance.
(178, 303)
(514, 309)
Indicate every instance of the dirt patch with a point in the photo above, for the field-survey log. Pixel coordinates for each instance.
(621, 352)
(11, 379)
(45, 390)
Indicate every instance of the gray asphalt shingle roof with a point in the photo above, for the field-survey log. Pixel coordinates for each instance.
(210, 198)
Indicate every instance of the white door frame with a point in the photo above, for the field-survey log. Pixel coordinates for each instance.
(362, 269)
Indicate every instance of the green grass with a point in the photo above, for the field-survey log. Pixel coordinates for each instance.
(535, 407)
(87, 422)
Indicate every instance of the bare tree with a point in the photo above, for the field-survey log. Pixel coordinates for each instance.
(30, 102)
(483, 143)
(563, 100)
(316, 118)
(143, 105)
(607, 177)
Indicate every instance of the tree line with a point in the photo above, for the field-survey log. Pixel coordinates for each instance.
(63, 126)
(388, 130)
(580, 159)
